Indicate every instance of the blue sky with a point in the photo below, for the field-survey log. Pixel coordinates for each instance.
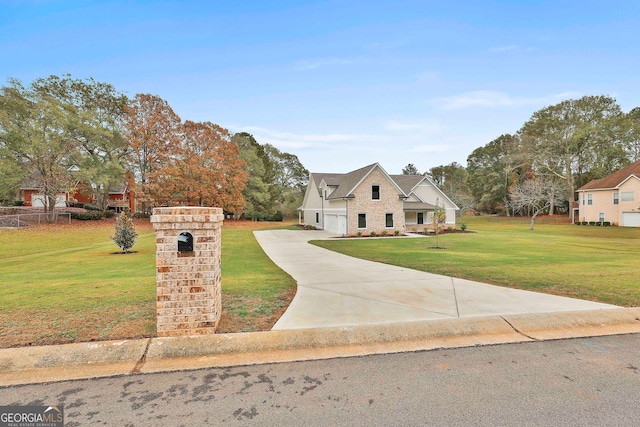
(340, 84)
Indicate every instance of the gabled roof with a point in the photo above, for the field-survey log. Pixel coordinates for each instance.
(615, 179)
(407, 182)
(347, 183)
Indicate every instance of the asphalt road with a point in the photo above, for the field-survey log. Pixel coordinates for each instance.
(578, 382)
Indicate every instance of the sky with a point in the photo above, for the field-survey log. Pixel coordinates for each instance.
(340, 84)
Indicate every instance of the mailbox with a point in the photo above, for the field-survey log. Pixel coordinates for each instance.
(185, 242)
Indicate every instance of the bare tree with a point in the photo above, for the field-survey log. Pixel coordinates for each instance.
(536, 195)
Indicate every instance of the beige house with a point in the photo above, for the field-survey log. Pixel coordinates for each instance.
(614, 198)
(370, 200)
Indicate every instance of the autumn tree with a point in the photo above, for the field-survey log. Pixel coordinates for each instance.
(152, 130)
(206, 170)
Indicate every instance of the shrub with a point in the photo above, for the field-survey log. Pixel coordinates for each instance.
(141, 215)
(606, 224)
(87, 216)
(109, 214)
(396, 232)
(359, 234)
(373, 234)
(18, 203)
(277, 216)
(449, 228)
(90, 207)
(463, 226)
(384, 233)
(125, 235)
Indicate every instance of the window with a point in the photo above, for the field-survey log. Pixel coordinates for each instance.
(627, 196)
(601, 217)
(615, 198)
(589, 199)
(375, 192)
(420, 217)
(362, 220)
(388, 220)
(583, 199)
(317, 217)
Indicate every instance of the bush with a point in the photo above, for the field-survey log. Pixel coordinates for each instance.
(87, 216)
(463, 226)
(359, 234)
(90, 207)
(125, 235)
(606, 224)
(141, 215)
(277, 216)
(373, 234)
(384, 233)
(75, 205)
(396, 232)
(109, 214)
(18, 203)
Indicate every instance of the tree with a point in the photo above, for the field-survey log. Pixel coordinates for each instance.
(632, 137)
(205, 171)
(125, 233)
(410, 169)
(36, 135)
(452, 180)
(259, 169)
(439, 217)
(152, 130)
(290, 179)
(96, 130)
(574, 137)
(492, 170)
(11, 176)
(536, 195)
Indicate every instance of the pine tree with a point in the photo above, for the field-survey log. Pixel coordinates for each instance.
(125, 235)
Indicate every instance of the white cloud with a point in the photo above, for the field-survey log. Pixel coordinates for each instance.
(487, 98)
(288, 140)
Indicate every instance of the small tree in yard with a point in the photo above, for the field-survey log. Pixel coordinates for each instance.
(439, 218)
(125, 235)
(535, 196)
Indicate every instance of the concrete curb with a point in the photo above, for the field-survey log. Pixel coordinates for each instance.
(87, 360)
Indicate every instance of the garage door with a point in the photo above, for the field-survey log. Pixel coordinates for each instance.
(37, 201)
(335, 223)
(631, 219)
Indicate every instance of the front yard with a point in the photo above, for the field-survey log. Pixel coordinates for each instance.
(63, 284)
(593, 263)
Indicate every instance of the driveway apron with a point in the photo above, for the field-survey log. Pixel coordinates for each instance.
(339, 290)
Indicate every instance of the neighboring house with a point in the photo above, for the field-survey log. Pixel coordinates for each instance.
(370, 200)
(119, 198)
(614, 198)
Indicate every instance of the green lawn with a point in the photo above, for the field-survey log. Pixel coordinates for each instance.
(595, 263)
(64, 284)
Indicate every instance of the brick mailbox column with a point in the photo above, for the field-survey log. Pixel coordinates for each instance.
(188, 246)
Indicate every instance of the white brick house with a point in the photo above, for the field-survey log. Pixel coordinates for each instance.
(370, 200)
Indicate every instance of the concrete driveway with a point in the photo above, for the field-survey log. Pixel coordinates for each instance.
(339, 290)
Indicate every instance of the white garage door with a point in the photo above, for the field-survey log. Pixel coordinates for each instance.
(631, 219)
(37, 201)
(335, 223)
